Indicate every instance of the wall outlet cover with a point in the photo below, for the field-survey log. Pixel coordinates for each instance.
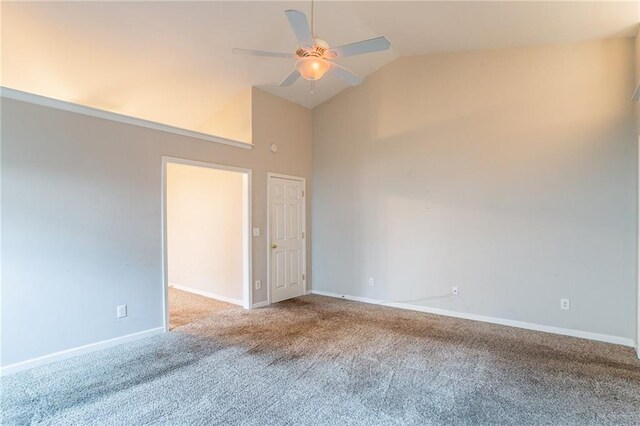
(564, 304)
(121, 311)
(454, 291)
(258, 284)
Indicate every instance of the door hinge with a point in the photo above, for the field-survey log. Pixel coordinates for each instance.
(303, 235)
(303, 277)
(303, 193)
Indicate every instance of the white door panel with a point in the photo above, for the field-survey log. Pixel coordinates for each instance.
(286, 210)
(280, 268)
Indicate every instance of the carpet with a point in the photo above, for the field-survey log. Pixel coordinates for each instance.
(185, 308)
(323, 361)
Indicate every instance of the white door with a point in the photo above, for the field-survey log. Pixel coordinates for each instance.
(287, 233)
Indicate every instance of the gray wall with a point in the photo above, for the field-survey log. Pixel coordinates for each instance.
(637, 235)
(638, 80)
(81, 218)
(508, 173)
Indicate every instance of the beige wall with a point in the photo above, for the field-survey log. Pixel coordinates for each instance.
(81, 218)
(205, 230)
(510, 174)
(638, 80)
(233, 121)
(289, 126)
(638, 57)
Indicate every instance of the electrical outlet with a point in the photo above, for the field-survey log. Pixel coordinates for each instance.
(121, 311)
(256, 232)
(371, 281)
(564, 304)
(454, 291)
(258, 285)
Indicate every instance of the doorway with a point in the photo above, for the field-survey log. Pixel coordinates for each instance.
(287, 237)
(206, 239)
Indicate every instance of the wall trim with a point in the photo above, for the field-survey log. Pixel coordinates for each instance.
(493, 320)
(260, 304)
(73, 352)
(32, 98)
(636, 95)
(208, 294)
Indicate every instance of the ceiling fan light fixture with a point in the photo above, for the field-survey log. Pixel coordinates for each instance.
(312, 68)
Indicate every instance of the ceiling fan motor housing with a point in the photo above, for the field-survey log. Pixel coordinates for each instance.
(318, 50)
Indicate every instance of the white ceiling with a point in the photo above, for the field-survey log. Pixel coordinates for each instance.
(171, 62)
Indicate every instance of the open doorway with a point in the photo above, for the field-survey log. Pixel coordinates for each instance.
(206, 225)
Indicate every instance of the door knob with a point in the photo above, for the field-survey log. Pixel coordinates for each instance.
(274, 245)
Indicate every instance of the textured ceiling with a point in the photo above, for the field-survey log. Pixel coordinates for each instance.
(171, 62)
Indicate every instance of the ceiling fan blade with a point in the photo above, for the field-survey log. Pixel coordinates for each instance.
(290, 79)
(300, 26)
(367, 46)
(345, 74)
(251, 52)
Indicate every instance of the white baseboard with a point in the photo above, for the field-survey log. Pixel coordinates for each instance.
(69, 353)
(260, 304)
(266, 303)
(511, 323)
(207, 294)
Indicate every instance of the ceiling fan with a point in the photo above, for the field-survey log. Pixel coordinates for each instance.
(314, 57)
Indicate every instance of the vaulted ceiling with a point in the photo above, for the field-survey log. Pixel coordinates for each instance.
(171, 62)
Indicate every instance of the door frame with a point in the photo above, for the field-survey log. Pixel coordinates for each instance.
(304, 229)
(247, 296)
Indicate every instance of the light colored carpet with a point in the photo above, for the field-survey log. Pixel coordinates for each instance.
(317, 360)
(185, 308)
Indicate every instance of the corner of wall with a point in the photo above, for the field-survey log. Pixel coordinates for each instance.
(269, 110)
(233, 121)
